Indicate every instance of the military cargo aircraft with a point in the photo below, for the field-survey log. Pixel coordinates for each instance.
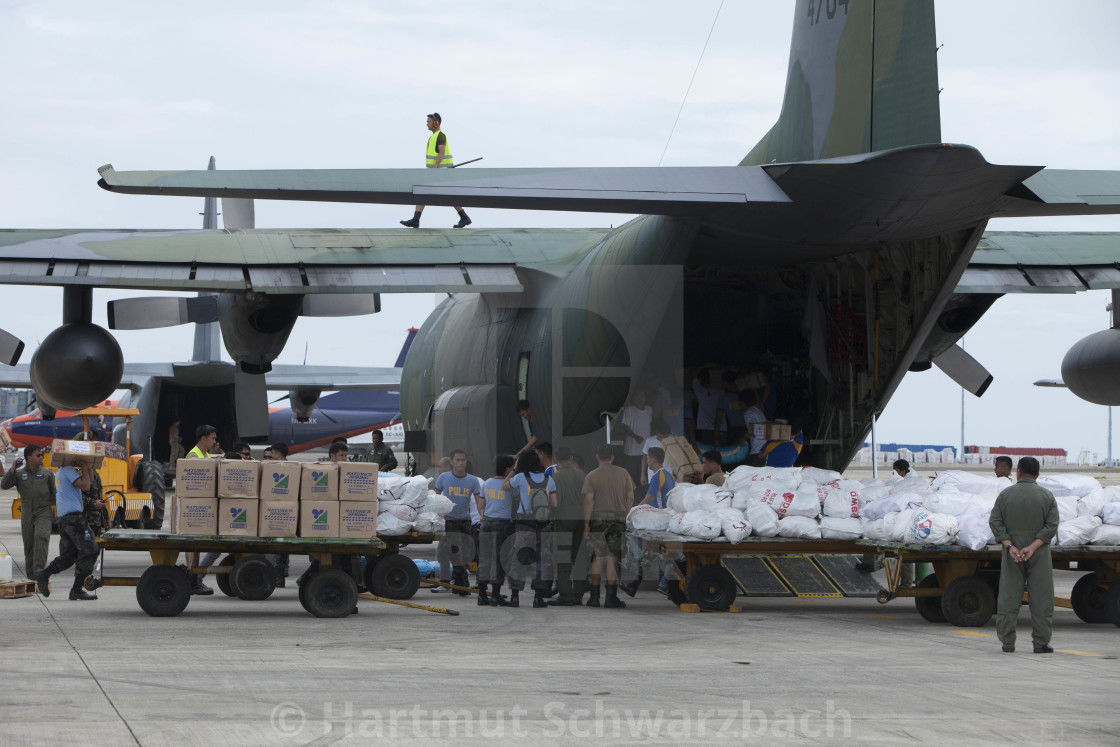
(850, 243)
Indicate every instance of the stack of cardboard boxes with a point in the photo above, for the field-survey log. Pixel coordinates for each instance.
(245, 498)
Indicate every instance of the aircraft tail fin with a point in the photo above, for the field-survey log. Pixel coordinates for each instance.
(862, 78)
(404, 348)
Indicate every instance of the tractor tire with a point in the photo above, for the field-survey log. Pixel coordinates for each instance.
(149, 479)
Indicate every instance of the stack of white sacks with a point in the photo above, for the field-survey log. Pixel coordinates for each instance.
(406, 504)
(811, 503)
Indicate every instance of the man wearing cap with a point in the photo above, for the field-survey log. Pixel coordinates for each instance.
(438, 156)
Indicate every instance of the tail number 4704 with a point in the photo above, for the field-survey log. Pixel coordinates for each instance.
(828, 6)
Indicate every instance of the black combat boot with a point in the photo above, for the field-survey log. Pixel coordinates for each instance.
(612, 599)
(413, 222)
(593, 596)
(42, 579)
(78, 592)
(631, 587)
(496, 598)
(483, 600)
(513, 600)
(539, 601)
(464, 221)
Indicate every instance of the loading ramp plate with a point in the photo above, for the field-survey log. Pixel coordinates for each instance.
(805, 577)
(841, 570)
(754, 576)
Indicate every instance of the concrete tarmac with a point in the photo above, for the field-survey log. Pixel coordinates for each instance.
(823, 671)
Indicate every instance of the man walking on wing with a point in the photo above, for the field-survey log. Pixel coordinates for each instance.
(437, 156)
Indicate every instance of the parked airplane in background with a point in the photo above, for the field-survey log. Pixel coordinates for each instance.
(349, 414)
(845, 249)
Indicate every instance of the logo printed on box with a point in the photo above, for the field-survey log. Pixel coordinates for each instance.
(320, 479)
(321, 518)
(240, 519)
(280, 480)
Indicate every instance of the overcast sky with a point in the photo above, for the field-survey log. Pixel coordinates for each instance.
(347, 85)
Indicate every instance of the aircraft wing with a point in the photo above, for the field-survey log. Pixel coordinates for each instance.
(1021, 262)
(667, 191)
(283, 377)
(397, 260)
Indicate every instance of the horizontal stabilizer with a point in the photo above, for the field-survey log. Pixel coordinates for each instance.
(155, 312)
(11, 348)
(1063, 192)
(962, 368)
(341, 304)
(670, 190)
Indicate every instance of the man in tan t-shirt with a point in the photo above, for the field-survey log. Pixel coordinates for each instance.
(608, 495)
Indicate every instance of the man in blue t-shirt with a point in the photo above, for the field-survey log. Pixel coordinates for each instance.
(662, 481)
(75, 544)
(784, 453)
(496, 506)
(532, 541)
(456, 547)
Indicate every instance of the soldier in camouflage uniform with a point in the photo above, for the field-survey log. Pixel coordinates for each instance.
(97, 516)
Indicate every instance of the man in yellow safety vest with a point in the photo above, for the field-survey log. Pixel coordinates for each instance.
(438, 156)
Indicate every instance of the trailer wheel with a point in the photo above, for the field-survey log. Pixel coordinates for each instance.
(149, 479)
(1088, 599)
(367, 571)
(163, 591)
(929, 607)
(968, 602)
(393, 577)
(711, 587)
(253, 578)
(223, 579)
(329, 594)
(1112, 603)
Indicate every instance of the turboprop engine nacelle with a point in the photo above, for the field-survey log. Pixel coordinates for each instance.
(76, 366)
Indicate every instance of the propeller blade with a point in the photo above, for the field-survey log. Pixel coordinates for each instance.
(964, 369)
(11, 348)
(238, 213)
(341, 304)
(153, 312)
(251, 406)
(1051, 382)
(279, 399)
(325, 415)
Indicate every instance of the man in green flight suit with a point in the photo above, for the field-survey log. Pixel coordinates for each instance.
(1024, 520)
(34, 485)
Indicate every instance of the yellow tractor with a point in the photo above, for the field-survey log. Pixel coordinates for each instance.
(131, 486)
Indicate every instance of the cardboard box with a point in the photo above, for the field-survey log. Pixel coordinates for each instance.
(771, 431)
(194, 515)
(357, 519)
(237, 517)
(196, 478)
(680, 458)
(65, 452)
(280, 481)
(239, 478)
(753, 380)
(318, 518)
(357, 481)
(278, 518)
(319, 482)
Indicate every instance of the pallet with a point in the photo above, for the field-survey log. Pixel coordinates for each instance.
(17, 589)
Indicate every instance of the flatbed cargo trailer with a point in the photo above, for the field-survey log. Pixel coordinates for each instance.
(164, 589)
(961, 590)
(964, 584)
